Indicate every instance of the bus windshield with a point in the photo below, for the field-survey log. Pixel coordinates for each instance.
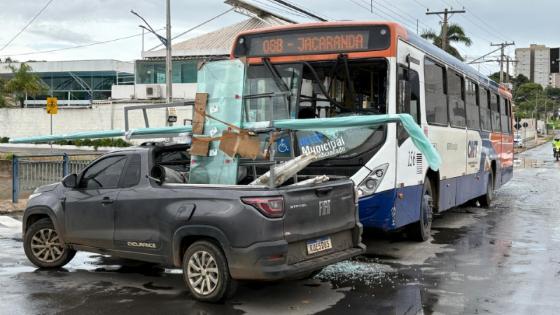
(304, 90)
(315, 90)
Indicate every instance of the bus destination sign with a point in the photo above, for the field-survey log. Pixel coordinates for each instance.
(313, 41)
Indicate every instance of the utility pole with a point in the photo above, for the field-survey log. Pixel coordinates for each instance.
(168, 63)
(445, 23)
(502, 57)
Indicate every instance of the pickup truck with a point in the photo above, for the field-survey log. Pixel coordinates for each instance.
(217, 234)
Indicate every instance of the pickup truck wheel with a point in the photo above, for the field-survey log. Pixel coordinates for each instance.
(44, 248)
(206, 272)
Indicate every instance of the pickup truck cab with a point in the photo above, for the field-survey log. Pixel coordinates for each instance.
(216, 233)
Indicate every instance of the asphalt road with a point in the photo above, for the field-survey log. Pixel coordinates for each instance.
(505, 260)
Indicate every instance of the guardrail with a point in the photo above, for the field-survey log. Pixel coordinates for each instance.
(32, 171)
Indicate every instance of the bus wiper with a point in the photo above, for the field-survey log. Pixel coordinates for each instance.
(277, 79)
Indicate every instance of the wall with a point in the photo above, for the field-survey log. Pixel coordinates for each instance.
(26, 122)
(138, 91)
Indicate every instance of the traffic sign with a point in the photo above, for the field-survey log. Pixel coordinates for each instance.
(525, 125)
(52, 105)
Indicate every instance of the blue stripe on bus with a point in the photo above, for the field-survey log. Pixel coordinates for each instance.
(376, 211)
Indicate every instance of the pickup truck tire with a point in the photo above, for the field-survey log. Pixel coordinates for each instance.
(206, 272)
(420, 231)
(44, 248)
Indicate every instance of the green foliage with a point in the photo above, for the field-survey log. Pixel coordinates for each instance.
(109, 142)
(24, 82)
(2, 99)
(455, 35)
(4, 139)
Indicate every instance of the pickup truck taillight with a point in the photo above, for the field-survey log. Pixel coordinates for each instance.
(272, 207)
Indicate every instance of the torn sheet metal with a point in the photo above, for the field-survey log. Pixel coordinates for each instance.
(286, 170)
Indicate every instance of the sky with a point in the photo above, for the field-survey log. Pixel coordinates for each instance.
(69, 23)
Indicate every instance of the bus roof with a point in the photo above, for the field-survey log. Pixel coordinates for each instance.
(397, 31)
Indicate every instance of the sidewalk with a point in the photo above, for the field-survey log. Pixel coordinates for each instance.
(6, 206)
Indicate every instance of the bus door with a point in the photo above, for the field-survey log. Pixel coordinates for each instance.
(410, 162)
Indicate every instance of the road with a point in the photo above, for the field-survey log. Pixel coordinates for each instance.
(504, 260)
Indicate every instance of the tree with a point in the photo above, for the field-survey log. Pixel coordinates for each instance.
(25, 83)
(2, 99)
(455, 34)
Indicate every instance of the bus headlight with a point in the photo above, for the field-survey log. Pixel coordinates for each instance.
(369, 185)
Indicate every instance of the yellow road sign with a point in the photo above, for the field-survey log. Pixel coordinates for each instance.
(52, 105)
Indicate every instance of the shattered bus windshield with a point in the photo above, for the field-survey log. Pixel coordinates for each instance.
(305, 90)
(315, 90)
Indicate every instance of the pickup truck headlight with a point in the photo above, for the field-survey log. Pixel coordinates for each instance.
(369, 185)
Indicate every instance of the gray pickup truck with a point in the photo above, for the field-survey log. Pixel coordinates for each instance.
(216, 233)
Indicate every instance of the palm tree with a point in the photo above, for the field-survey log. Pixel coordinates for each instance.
(455, 34)
(24, 82)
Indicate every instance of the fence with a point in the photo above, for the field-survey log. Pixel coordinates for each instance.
(32, 171)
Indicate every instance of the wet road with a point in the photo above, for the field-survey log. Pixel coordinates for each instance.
(505, 260)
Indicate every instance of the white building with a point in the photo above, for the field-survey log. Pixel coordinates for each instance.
(75, 82)
(538, 63)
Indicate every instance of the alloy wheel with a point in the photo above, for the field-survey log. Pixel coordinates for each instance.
(46, 245)
(202, 272)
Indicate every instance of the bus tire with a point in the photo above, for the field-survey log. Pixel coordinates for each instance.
(486, 199)
(421, 231)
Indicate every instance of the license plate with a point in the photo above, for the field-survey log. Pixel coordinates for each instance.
(319, 245)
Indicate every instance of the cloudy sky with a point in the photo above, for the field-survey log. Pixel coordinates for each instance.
(69, 23)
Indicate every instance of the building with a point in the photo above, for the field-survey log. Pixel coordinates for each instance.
(538, 63)
(76, 82)
(189, 54)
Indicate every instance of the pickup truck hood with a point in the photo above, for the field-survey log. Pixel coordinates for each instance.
(49, 187)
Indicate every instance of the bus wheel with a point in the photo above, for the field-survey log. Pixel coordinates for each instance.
(420, 231)
(486, 199)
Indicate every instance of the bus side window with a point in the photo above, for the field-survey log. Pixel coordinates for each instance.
(495, 108)
(413, 106)
(473, 105)
(409, 104)
(504, 115)
(510, 120)
(436, 100)
(455, 88)
(484, 110)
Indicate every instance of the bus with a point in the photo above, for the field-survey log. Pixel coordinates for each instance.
(335, 69)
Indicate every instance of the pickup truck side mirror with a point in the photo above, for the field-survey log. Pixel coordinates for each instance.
(70, 181)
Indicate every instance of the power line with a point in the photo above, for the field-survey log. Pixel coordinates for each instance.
(444, 28)
(77, 46)
(27, 25)
(379, 15)
(197, 26)
(289, 5)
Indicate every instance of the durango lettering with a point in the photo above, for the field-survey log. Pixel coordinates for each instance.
(331, 42)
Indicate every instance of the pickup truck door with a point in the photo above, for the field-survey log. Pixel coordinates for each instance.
(146, 216)
(89, 210)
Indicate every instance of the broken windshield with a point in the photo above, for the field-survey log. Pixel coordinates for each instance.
(320, 90)
(315, 90)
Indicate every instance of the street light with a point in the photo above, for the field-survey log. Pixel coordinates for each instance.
(166, 41)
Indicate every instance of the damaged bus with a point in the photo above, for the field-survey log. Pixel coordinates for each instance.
(348, 69)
